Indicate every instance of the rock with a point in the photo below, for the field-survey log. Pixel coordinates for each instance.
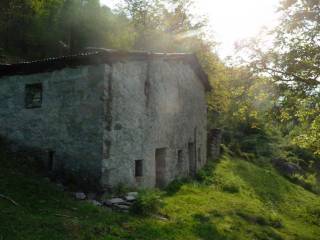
(95, 203)
(130, 198)
(121, 207)
(80, 196)
(162, 218)
(127, 203)
(113, 201)
(286, 168)
(135, 194)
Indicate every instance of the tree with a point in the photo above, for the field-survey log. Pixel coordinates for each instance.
(293, 63)
(163, 25)
(294, 58)
(33, 29)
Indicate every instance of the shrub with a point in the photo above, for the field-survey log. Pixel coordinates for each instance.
(307, 181)
(205, 175)
(175, 186)
(148, 202)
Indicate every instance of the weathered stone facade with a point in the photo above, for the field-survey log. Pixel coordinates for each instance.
(109, 118)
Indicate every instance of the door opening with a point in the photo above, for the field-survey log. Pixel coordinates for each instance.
(160, 157)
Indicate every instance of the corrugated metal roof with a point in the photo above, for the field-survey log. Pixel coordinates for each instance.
(100, 56)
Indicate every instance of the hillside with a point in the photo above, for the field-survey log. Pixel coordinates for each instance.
(232, 199)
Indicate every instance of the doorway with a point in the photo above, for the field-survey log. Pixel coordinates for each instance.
(160, 157)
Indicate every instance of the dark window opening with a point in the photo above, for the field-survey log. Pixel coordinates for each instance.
(33, 95)
(51, 161)
(138, 168)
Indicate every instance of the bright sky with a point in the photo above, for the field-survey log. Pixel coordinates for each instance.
(233, 20)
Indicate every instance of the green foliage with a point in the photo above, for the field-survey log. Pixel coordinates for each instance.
(148, 202)
(164, 25)
(157, 25)
(308, 181)
(74, 25)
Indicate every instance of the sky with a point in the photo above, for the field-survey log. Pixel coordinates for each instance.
(232, 20)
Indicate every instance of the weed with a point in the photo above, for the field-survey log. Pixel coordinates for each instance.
(148, 202)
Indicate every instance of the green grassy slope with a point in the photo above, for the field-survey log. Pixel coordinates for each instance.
(233, 200)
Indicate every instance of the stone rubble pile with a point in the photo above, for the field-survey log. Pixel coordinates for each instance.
(118, 203)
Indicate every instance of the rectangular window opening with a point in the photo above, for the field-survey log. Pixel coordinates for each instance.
(138, 168)
(51, 161)
(33, 95)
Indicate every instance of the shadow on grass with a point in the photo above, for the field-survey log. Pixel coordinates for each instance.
(206, 230)
(199, 227)
(269, 186)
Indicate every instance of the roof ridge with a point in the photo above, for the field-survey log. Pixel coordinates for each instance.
(99, 56)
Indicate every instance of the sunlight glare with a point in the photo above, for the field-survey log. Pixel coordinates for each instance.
(232, 20)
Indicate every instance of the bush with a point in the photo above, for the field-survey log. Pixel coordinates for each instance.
(175, 185)
(307, 181)
(205, 175)
(148, 202)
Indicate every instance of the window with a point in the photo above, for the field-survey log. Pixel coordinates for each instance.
(138, 168)
(33, 95)
(51, 161)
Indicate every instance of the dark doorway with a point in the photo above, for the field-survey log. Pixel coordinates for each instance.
(192, 160)
(160, 167)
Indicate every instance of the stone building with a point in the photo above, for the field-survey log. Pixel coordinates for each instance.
(109, 117)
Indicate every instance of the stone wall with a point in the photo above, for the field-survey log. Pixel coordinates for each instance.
(100, 123)
(152, 105)
(68, 125)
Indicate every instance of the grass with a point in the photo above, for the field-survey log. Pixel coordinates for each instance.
(232, 199)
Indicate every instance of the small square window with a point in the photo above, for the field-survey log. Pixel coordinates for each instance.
(138, 168)
(33, 95)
